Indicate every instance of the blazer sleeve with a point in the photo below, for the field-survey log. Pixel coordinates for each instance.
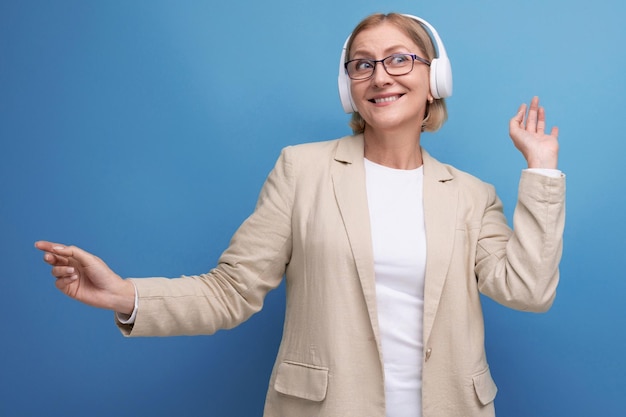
(253, 264)
(521, 269)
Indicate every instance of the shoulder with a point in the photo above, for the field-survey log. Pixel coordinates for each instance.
(321, 146)
(439, 171)
(317, 154)
(311, 148)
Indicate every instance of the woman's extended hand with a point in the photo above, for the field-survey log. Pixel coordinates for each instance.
(540, 150)
(86, 278)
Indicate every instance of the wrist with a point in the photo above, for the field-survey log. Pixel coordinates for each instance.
(124, 300)
(551, 163)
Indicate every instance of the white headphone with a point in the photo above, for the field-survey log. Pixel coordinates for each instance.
(440, 71)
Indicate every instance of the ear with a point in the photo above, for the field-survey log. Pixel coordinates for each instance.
(430, 98)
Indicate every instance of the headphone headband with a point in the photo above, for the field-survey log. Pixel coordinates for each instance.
(440, 70)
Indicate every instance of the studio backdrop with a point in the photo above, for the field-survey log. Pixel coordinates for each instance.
(144, 130)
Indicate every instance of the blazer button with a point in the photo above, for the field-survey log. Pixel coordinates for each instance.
(428, 352)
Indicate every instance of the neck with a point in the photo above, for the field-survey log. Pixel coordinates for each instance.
(399, 150)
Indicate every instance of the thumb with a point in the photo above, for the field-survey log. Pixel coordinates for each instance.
(516, 121)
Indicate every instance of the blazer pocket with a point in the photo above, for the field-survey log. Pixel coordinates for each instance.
(301, 380)
(485, 387)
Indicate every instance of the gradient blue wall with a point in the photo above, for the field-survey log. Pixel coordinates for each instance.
(133, 130)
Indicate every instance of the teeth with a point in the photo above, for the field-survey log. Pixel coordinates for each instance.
(386, 99)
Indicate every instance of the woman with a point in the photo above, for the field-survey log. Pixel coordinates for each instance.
(385, 251)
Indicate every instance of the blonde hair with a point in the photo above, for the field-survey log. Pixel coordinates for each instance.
(436, 112)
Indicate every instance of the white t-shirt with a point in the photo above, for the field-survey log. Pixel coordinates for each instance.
(395, 199)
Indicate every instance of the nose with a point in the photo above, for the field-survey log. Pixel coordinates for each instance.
(380, 76)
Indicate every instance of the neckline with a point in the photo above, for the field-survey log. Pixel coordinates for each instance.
(390, 169)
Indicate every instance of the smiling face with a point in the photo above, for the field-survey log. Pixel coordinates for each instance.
(390, 103)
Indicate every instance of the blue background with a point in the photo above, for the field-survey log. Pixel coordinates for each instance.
(144, 130)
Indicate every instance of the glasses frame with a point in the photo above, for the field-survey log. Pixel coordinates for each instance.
(414, 58)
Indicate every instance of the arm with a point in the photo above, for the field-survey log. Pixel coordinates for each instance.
(253, 264)
(521, 270)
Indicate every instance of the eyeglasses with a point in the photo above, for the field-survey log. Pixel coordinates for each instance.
(396, 64)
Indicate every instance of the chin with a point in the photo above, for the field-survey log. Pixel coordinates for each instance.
(391, 123)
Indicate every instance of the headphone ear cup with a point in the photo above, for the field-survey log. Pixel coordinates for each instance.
(343, 82)
(344, 92)
(441, 77)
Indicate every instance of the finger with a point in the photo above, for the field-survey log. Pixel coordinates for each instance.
(63, 284)
(48, 246)
(555, 132)
(541, 121)
(83, 258)
(531, 120)
(64, 272)
(53, 259)
(516, 121)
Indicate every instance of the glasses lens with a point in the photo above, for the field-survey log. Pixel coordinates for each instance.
(398, 64)
(360, 69)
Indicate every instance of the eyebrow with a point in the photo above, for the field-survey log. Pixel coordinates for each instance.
(389, 50)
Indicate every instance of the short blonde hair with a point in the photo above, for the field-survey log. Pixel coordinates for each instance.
(436, 112)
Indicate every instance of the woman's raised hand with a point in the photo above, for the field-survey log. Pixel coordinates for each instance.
(541, 150)
(86, 278)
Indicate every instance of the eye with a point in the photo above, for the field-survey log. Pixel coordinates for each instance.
(398, 60)
(363, 65)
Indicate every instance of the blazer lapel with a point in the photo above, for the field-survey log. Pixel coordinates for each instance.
(440, 207)
(348, 174)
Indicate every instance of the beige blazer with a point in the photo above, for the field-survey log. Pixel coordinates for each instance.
(311, 225)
